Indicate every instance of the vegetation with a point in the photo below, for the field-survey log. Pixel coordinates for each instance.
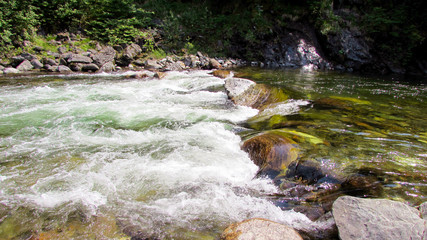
(221, 27)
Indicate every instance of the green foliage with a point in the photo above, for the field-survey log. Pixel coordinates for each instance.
(325, 19)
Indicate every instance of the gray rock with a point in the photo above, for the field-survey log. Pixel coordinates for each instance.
(107, 67)
(78, 58)
(16, 60)
(63, 69)
(152, 64)
(28, 56)
(104, 56)
(423, 210)
(49, 61)
(25, 66)
(129, 54)
(62, 50)
(76, 67)
(236, 86)
(50, 68)
(90, 67)
(10, 70)
(360, 218)
(174, 66)
(259, 229)
(36, 64)
(214, 63)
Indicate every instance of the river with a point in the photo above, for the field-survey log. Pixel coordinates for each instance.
(105, 156)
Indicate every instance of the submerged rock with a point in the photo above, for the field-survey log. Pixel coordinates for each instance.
(271, 152)
(221, 73)
(259, 229)
(359, 218)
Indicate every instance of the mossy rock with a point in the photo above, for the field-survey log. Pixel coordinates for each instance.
(257, 96)
(271, 152)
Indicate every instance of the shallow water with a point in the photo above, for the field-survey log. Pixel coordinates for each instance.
(107, 156)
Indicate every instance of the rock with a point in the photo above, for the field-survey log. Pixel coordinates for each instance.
(309, 172)
(259, 229)
(273, 153)
(16, 60)
(257, 96)
(10, 70)
(107, 67)
(62, 50)
(49, 61)
(36, 64)
(236, 86)
(104, 56)
(363, 184)
(423, 210)
(129, 53)
(159, 75)
(63, 69)
(174, 66)
(221, 73)
(28, 56)
(192, 61)
(78, 58)
(213, 63)
(359, 218)
(25, 66)
(152, 64)
(90, 67)
(76, 67)
(63, 37)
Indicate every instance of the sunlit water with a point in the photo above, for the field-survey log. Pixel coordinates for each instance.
(107, 156)
(152, 157)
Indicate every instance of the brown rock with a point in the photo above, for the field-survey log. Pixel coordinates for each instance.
(259, 229)
(221, 73)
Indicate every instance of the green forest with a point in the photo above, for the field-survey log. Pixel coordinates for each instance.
(396, 28)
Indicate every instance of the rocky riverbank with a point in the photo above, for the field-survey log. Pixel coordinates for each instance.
(106, 59)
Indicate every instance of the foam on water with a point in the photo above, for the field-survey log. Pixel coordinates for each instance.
(152, 152)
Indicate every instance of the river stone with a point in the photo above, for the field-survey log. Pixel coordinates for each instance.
(221, 73)
(214, 63)
(10, 70)
(423, 210)
(63, 69)
(273, 153)
(25, 66)
(259, 96)
(360, 218)
(107, 67)
(152, 64)
(90, 67)
(259, 229)
(104, 56)
(236, 86)
(78, 58)
(36, 64)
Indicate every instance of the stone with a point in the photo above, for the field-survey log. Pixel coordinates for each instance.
(63, 69)
(174, 66)
(25, 66)
(104, 56)
(36, 64)
(222, 73)
(259, 96)
(236, 86)
(213, 63)
(78, 58)
(159, 75)
(10, 70)
(107, 67)
(423, 210)
(76, 67)
(62, 50)
(63, 37)
(128, 54)
(273, 153)
(49, 61)
(16, 60)
(90, 67)
(361, 218)
(259, 229)
(152, 64)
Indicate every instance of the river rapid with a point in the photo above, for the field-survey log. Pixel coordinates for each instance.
(106, 156)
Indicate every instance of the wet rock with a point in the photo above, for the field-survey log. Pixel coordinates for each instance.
(90, 67)
(10, 70)
(36, 64)
(221, 73)
(361, 185)
(259, 96)
(25, 66)
(259, 229)
(271, 152)
(78, 58)
(107, 54)
(236, 86)
(331, 103)
(63, 69)
(359, 218)
(310, 172)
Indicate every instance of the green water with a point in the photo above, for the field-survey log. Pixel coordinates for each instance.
(364, 124)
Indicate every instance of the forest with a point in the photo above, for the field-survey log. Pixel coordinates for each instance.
(396, 29)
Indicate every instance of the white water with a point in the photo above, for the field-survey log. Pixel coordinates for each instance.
(159, 155)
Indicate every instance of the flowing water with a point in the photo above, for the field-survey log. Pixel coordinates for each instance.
(106, 156)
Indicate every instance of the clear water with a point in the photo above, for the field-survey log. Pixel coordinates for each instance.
(109, 157)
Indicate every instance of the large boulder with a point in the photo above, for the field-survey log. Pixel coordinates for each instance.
(78, 58)
(246, 93)
(260, 229)
(25, 66)
(273, 153)
(10, 70)
(361, 218)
